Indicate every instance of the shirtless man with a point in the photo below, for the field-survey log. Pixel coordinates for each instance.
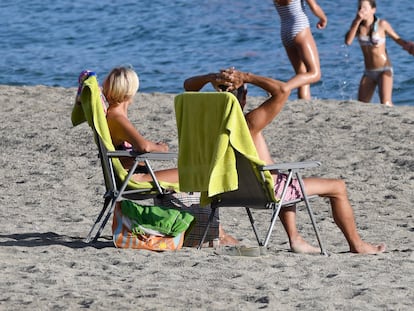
(257, 119)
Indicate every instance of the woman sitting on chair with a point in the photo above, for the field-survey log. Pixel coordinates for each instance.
(119, 89)
(257, 119)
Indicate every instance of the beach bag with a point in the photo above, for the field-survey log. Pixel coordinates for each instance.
(149, 227)
(190, 202)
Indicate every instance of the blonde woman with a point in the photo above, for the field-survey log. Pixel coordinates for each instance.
(119, 89)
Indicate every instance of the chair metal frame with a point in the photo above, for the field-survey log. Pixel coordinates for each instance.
(240, 197)
(90, 107)
(116, 190)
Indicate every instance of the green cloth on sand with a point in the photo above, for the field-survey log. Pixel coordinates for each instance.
(168, 221)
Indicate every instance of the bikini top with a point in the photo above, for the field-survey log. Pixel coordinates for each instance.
(373, 39)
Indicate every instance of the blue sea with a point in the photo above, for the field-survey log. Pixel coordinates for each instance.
(49, 42)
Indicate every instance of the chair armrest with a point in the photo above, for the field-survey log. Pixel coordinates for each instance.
(290, 166)
(157, 156)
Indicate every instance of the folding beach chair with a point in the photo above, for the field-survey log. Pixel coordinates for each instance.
(217, 157)
(118, 183)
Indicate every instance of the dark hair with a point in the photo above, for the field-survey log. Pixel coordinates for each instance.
(239, 92)
(223, 87)
(372, 3)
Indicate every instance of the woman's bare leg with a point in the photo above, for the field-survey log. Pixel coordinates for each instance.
(366, 89)
(300, 69)
(226, 239)
(167, 175)
(304, 58)
(385, 88)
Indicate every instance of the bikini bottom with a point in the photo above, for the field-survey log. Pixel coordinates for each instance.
(375, 74)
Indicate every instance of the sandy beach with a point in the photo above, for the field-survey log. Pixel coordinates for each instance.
(52, 187)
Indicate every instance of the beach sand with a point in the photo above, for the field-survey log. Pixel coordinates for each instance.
(52, 187)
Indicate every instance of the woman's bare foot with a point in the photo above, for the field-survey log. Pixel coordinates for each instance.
(366, 248)
(299, 245)
(226, 239)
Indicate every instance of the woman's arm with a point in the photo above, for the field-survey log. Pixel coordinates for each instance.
(318, 12)
(391, 33)
(350, 35)
(409, 47)
(123, 130)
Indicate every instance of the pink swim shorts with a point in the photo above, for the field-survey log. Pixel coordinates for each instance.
(293, 191)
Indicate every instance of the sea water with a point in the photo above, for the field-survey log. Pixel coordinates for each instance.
(50, 42)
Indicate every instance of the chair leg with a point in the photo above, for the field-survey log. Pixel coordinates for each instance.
(210, 220)
(104, 222)
(98, 219)
(115, 198)
(252, 222)
(275, 215)
(311, 215)
(276, 210)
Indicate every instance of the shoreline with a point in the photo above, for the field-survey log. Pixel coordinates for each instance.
(53, 187)
(5, 86)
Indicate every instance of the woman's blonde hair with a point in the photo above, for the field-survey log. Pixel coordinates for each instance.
(121, 84)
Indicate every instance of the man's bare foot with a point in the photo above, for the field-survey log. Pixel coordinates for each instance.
(299, 245)
(366, 248)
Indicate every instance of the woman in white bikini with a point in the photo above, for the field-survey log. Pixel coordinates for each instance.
(299, 43)
(371, 32)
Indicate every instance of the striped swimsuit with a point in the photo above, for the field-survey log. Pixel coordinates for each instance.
(293, 20)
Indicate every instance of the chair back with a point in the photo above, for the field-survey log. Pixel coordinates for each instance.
(216, 154)
(106, 164)
(252, 191)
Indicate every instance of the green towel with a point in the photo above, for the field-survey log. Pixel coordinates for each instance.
(92, 111)
(168, 221)
(216, 164)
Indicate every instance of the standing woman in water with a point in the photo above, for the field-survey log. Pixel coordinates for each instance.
(371, 32)
(298, 41)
